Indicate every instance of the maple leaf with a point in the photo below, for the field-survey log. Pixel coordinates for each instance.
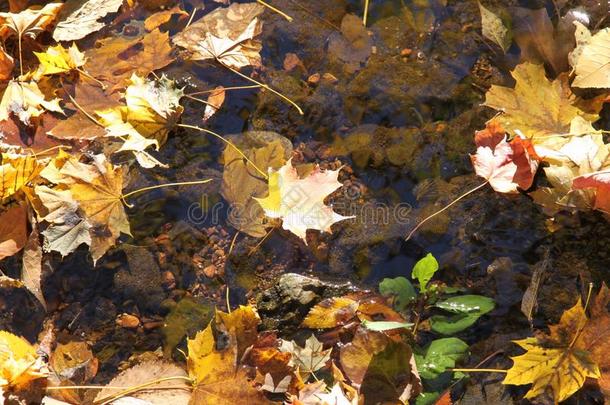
(524, 113)
(317, 394)
(330, 313)
(559, 363)
(300, 202)
(29, 22)
(153, 108)
(57, 59)
(226, 35)
(599, 180)
(67, 230)
(80, 18)
(309, 358)
(16, 172)
(19, 363)
(506, 165)
(13, 231)
(591, 59)
(116, 59)
(26, 101)
(97, 188)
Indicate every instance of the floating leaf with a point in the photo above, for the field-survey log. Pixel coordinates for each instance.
(382, 326)
(19, 363)
(26, 101)
(29, 22)
(13, 231)
(57, 59)
(79, 18)
(468, 308)
(309, 358)
(16, 171)
(226, 35)
(592, 62)
(300, 202)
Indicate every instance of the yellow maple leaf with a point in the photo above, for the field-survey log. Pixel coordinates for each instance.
(558, 365)
(591, 58)
(331, 312)
(57, 59)
(300, 202)
(98, 189)
(16, 171)
(19, 363)
(26, 101)
(152, 109)
(536, 106)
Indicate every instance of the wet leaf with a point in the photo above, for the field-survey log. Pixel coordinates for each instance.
(226, 35)
(424, 270)
(7, 63)
(158, 19)
(80, 18)
(596, 334)
(116, 59)
(57, 59)
(242, 323)
(400, 289)
(468, 308)
(558, 364)
(495, 28)
(241, 182)
(600, 181)
(19, 363)
(524, 114)
(13, 231)
(31, 273)
(330, 313)
(592, 62)
(214, 102)
(440, 355)
(25, 101)
(382, 326)
(300, 202)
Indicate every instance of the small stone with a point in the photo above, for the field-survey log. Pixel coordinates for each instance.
(128, 321)
(152, 325)
(169, 280)
(219, 252)
(329, 77)
(406, 52)
(210, 271)
(314, 79)
(291, 61)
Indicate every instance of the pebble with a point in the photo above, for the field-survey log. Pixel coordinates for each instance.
(329, 77)
(210, 271)
(314, 79)
(169, 281)
(128, 321)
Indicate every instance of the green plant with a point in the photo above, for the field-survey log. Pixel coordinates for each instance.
(446, 312)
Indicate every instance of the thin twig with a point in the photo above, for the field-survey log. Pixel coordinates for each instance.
(253, 86)
(182, 183)
(270, 7)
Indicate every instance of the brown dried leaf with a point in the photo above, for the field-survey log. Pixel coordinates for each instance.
(13, 231)
(161, 17)
(80, 18)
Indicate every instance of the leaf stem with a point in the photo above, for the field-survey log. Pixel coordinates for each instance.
(366, 12)
(20, 54)
(252, 86)
(136, 388)
(87, 75)
(277, 93)
(270, 7)
(265, 175)
(443, 209)
(182, 183)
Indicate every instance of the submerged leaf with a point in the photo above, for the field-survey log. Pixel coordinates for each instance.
(495, 29)
(80, 18)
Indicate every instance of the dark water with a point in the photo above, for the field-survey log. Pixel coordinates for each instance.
(399, 114)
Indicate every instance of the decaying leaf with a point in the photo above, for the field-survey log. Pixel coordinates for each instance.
(116, 59)
(300, 202)
(558, 365)
(80, 18)
(524, 114)
(600, 181)
(25, 101)
(31, 273)
(7, 63)
(19, 363)
(161, 17)
(57, 59)
(214, 102)
(330, 313)
(495, 29)
(226, 35)
(16, 171)
(596, 334)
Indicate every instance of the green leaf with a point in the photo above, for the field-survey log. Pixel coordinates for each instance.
(401, 289)
(424, 270)
(381, 326)
(467, 309)
(440, 355)
(467, 304)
